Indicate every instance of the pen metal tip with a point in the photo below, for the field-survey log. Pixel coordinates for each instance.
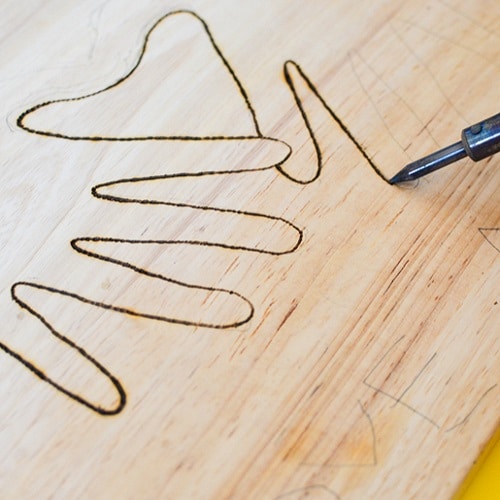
(430, 163)
(401, 176)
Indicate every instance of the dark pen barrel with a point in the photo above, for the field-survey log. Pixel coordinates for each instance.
(482, 139)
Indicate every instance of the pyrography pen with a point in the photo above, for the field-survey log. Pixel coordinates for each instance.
(478, 142)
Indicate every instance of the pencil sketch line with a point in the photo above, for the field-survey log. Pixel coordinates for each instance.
(399, 400)
(455, 10)
(307, 489)
(400, 97)
(484, 230)
(372, 428)
(394, 398)
(374, 460)
(373, 103)
(95, 21)
(403, 403)
(466, 418)
(380, 361)
(415, 379)
(443, 38)
(429, 72)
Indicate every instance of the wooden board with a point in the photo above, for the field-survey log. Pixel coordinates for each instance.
(209, 288)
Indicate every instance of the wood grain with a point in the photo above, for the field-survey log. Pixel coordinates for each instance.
(209, 289)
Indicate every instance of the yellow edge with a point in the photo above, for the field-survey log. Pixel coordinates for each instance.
(483, 480)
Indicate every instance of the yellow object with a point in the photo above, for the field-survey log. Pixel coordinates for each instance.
(483, 481)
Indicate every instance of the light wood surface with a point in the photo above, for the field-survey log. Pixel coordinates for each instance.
(209, 289)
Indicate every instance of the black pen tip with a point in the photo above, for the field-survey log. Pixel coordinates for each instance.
(401, 176)
(430, 163)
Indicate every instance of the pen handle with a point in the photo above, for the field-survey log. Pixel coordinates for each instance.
(482, 139)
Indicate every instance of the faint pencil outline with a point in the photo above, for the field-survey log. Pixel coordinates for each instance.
(372, 101)
(483, 230)
(374, 461)
(305, 490)
(398, 400)
(417, 376)
(403, 100)
(466, 418)
(446, 39)
(456, 10)
(428, 70)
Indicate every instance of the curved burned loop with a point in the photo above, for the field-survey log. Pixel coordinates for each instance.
(298, 101)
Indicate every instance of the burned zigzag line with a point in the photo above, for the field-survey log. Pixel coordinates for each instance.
(309, 127)
(76, 243)
(149, 274)
(485, 230)
(241, 89)
(97, 192)
(122, 398)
